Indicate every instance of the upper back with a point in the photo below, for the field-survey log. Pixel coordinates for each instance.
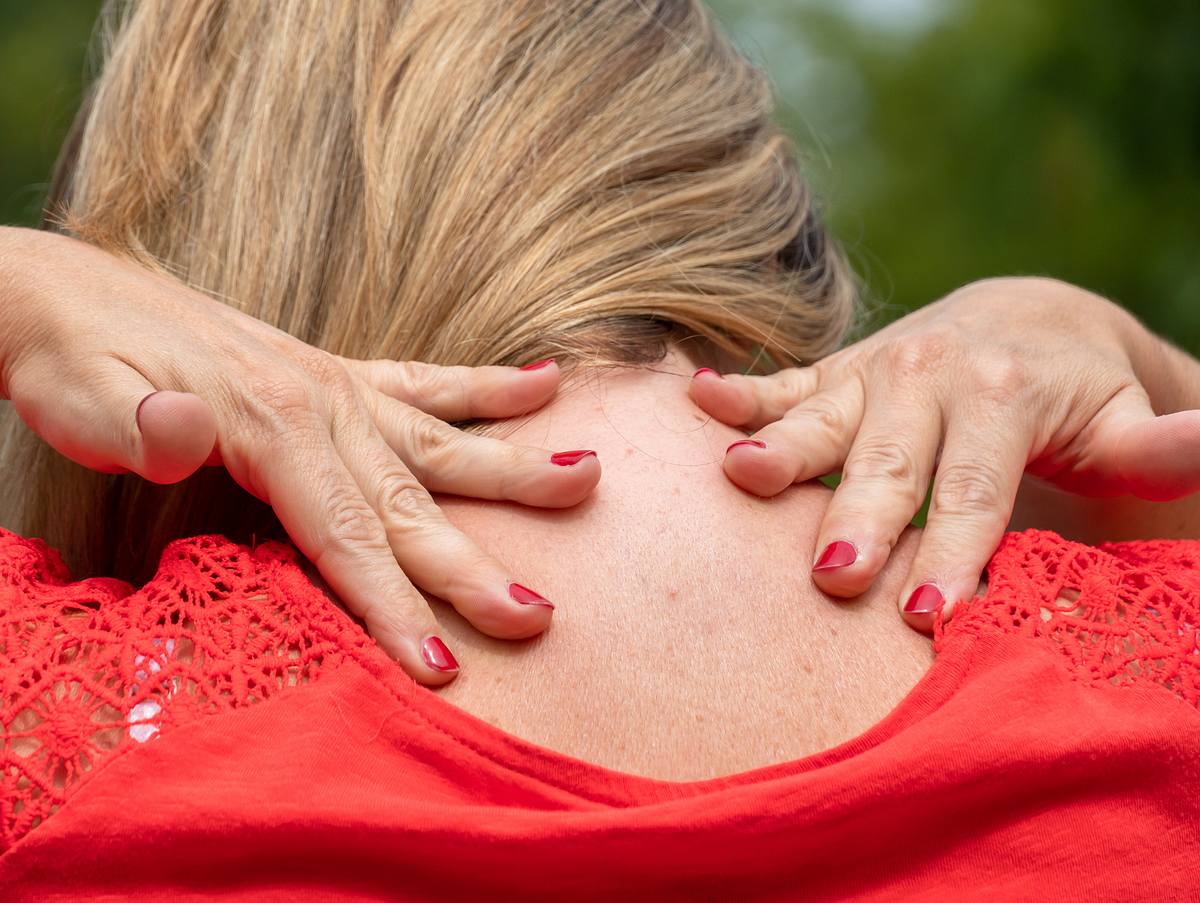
(687, 631)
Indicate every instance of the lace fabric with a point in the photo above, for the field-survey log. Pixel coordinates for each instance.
(1124, 614)
(92, 669)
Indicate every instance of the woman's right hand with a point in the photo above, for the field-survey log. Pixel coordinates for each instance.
(121, 369)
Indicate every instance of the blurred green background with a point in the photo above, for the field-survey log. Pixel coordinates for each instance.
(949, 139)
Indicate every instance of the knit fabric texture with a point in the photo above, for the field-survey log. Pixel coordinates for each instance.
(91, 668)
(226, 730)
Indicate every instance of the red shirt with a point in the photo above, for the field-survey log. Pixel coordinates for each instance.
(225, 730)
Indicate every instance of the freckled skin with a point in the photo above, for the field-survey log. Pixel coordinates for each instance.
(688, 640)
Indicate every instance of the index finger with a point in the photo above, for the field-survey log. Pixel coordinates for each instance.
(752, 401)
(458, 392)
(347, 543)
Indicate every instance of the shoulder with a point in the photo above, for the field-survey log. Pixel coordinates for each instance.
(96, 667)
(1120, 613)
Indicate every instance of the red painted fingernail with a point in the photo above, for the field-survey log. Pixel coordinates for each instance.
(924, 599)
(437, 656)
(137, 415)
(836, 555)
(526, 596)
(706, 370)
(757, 443)
(567, 458)
(538, 365)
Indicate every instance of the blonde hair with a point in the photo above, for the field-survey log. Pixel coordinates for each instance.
(464, 182)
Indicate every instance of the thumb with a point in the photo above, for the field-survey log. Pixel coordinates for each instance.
(1153, 457)
(118, 422)
(178, 433)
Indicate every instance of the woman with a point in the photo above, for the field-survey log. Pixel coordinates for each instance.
(474, 184)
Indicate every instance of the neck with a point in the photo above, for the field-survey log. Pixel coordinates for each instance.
(685, 612)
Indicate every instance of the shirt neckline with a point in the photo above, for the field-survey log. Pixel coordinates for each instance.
(595, 783)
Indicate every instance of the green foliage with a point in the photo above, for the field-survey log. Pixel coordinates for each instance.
(950, 139)
(42, 51)
(967, 138)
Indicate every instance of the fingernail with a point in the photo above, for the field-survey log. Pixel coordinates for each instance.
(538, 365)
(568, 458)
(757, 443)
(137, 415)
(836, 555)
(924, 599)
(437, 656)
(706, 370)
(526, 596)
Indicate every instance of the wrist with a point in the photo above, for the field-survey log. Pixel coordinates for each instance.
(10, 293)
(16, 298)
(1170, 376)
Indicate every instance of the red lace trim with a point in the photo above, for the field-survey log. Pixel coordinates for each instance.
(91, 669)
(1125, 614)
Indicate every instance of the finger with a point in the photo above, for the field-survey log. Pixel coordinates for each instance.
(1154, 457)
(983, 458)
(119, 423)
(461, 393)
(448, 460)
(751, 401)
(883, 485)
(1160, 458)
(811, 440)
(320, 504)
(178, 432)
(438, 558)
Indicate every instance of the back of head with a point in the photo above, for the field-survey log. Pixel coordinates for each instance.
(469, 182)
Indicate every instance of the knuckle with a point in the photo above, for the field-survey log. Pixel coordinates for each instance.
(430, 438)
(825, 415)
(918, 355)
(788, 386)
(970, 489)
(1002, 380)
(796, 379)
(328, 372)
(351, 525)
(426, 382)
(404, 502)
(882, 461)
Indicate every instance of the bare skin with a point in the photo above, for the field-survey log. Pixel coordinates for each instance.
(1007, 387)
(678, 592)
(687, 619)
(345, 451)
(691, 640)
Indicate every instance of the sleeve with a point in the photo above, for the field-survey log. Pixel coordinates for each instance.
(92, 668)
(1121, 614)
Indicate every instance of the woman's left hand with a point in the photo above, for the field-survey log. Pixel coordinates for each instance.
(1001, 376)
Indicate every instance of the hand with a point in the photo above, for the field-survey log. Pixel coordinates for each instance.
(346, 452)
(1000, 376)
